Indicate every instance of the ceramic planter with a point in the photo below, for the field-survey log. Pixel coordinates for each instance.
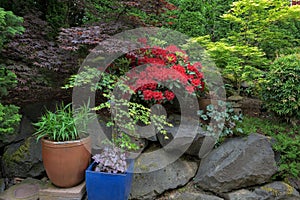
(104, 186)
(66, 162)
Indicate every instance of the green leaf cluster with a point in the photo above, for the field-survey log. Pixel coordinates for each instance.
(199, 18)
(270, 25)
(7, 80)
(281, 88)
(64, 124)
(238, 63)
(9, 114)
(10, 25)
(221, 120)
(9, 118)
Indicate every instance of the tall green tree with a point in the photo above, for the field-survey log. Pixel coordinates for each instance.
(199, 18)
(270, 25)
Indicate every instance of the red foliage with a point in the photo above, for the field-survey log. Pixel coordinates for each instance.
(163, 67)
(40, 65)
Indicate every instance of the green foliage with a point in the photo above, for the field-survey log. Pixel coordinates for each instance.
(221, 122)
(281, 88)
(62, 125)
(133, 113)
(57, 14)
(289, 147)
(10, 25)
(238, 63)
(7, 81)
(287, 142)
(9, 118)
(268, 24)
(124, 142)
(197, 18)
(101, 10)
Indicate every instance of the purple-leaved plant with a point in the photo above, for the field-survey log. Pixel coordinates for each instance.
(111, 160)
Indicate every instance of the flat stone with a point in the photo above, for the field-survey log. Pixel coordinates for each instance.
(242, 194)
(55, 193)
(26, 190)
(235, 98)
(196, 196)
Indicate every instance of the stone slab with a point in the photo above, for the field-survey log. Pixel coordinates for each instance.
(26, 190)
(54, 193)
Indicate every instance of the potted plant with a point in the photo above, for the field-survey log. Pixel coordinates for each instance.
(110, 175)
(65, 144)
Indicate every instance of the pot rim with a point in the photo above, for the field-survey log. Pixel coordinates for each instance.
(70, 142)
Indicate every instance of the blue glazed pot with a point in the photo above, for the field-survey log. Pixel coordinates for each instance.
(108, 186)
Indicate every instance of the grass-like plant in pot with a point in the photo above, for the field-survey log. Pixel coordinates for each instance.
(65, 144)
(110, 175)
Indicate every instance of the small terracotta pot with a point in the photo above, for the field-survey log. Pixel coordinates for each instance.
(65, 162)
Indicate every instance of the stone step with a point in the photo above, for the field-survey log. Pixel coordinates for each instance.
(55, 193)
(33, 189)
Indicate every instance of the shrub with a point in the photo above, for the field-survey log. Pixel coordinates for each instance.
(9, 119)
(280, 91)
(10, 25)
(198, 18)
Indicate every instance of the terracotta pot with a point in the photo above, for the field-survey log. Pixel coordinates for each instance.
(65, 162)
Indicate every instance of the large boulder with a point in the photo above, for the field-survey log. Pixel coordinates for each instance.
(183, 137)
(237, 163)
(149, 185)
(23, 159)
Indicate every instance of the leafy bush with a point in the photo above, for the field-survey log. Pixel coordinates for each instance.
(281, 89)
(288, 144)
(7, 81)
(198, 18)
(269, 25)
(10, 25)
(238, 63)
(9, 118)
